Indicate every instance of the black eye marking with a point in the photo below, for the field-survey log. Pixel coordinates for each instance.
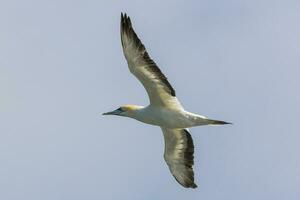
(120, 109)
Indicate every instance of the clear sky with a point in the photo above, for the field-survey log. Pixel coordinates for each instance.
(61, 66)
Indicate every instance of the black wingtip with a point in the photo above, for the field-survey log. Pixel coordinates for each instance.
(123, 16)
(189, 185)
(125, 20)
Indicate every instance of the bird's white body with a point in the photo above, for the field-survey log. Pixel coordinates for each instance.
(169, 117)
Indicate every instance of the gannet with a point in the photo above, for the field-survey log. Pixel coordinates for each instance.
(164, 109)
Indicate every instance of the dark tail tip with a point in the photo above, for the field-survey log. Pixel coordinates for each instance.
(217, 122)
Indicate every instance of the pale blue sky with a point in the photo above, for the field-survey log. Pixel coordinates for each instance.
(61, 66)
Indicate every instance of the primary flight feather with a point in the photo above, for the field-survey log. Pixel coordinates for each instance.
(164, 109)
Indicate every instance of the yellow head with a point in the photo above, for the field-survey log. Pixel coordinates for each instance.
(126, 110)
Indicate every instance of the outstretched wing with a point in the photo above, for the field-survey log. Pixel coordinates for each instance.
(179, 155)
(159, 90)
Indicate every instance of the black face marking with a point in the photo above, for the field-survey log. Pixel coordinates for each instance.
(120, 109)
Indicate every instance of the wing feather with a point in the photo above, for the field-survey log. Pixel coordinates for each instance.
(159, 90)
(179, 155)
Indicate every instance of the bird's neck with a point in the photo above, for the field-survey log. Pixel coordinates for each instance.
(136, 112)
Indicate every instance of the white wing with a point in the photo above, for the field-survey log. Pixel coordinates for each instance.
(179, 155)
(140, 64)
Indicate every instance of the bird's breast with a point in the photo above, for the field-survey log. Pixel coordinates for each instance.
(164, 117)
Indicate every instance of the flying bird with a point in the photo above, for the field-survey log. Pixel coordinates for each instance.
(164, 109)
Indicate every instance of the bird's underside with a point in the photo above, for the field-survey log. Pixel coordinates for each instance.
(164, 110)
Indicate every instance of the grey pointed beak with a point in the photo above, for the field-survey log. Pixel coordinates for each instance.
(107, 113)
(115, 112)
